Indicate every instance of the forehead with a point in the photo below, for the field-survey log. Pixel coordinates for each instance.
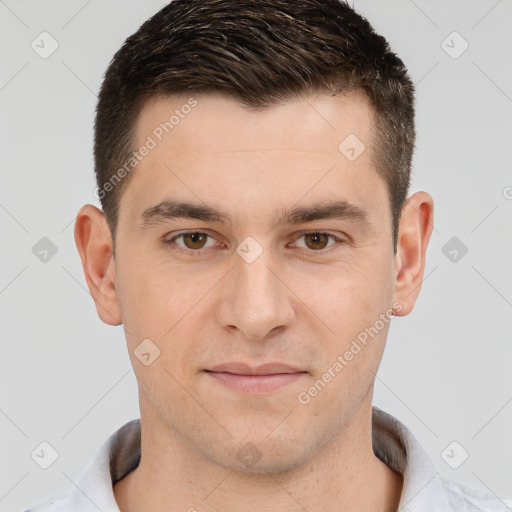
(314, 124)
(209, 148)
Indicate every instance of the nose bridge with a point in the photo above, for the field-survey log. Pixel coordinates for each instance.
(258, 300)
(257, 280)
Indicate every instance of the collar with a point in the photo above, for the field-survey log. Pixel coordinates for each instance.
(423, 489)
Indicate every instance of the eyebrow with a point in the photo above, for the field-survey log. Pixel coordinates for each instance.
(169, 209)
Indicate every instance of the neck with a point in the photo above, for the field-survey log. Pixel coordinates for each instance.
(344, 475)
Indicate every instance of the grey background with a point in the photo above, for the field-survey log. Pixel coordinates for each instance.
(66, 377)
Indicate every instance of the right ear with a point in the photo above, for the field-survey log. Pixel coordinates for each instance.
(94, 243)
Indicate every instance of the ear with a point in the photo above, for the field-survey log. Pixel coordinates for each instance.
(416, 225)
(94, 243)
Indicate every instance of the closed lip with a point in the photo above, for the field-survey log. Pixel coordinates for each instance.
(246, 369)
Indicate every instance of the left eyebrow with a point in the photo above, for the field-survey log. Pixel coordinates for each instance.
(334, 210)
(168, 209)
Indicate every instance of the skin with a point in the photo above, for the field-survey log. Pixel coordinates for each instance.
(293, 304)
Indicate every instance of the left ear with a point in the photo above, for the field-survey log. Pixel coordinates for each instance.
(416, 225)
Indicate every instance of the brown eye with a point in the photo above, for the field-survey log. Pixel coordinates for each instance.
(316, 241)
(194, 240)
(190, 241)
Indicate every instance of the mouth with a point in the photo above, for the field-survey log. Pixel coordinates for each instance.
(259, 379)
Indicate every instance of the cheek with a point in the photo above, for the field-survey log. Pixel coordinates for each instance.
(350, 303)
(166, 304)
(155, 295)
(349, 297)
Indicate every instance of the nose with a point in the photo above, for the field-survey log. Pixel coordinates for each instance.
(256, 299)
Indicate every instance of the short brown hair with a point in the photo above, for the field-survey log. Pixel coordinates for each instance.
(260, 52)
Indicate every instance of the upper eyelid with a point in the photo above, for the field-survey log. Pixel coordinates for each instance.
(186, 232)
(301, 233)
(337, 238)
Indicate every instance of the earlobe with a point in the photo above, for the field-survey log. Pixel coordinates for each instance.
(94, 244)
(416, 225)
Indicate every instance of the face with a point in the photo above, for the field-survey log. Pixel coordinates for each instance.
(257, 281)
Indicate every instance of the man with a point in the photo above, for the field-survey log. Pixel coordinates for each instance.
(253, 161)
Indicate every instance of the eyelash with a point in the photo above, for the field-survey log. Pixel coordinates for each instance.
(300, 234)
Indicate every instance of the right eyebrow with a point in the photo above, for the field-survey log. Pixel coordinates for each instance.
(167, 209)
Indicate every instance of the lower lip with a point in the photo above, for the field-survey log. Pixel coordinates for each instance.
(255, 383)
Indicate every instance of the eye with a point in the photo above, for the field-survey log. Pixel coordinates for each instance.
(317, 240)
(192, 240)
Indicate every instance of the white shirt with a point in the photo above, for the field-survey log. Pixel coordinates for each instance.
(424, 489)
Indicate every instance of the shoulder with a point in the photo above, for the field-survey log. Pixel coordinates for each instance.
(463, 498)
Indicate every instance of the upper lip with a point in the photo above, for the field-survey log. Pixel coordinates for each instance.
(245, 369)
